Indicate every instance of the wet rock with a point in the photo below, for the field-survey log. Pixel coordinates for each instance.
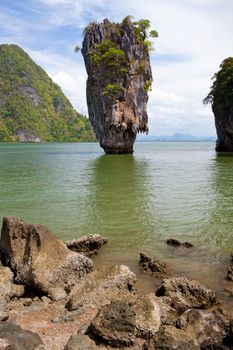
(38, 258)
(188, 292)
(80, 341)
(175, 243)
(102, 286)
(204, 326)
(86, 244)
(117, 94)
(115, 324)
(171, 338)
(18, 338)
(152, 265)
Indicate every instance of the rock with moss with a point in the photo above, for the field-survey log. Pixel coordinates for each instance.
(32, 107)
(221, 99)
(117, 61)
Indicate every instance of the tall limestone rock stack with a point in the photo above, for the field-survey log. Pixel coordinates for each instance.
(221, 99)
(117, 61)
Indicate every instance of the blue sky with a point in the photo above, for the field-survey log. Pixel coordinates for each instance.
(194, 37)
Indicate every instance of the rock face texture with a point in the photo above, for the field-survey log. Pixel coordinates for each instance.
(38, 258)
(119, 77)
(221, 99)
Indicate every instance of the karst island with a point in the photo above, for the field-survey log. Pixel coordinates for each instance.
(117, 61)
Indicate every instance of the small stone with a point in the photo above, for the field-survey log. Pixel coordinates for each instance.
(45, 300)
(80, 342)
(86, 244)
(230, 272)
(18, 290)
(27, 301)
(57, 294)
(5, 344)
(175, 243)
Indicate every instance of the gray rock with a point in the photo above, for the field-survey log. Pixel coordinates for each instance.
(152, 265)
(204, 326)
(38, 258)
(18, 338)
(80, 341)
(188, 292)
(115, 324)
(230, 272)
(171, 338)
(86, 244)
(102, 286)
(117, 115)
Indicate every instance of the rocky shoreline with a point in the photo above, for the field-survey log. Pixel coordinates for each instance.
(54, 298)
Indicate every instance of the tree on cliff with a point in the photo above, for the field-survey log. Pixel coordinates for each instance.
(117, 61)
(221, 99)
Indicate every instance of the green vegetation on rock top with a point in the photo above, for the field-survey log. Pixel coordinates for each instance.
(30, 102)
(221, 92)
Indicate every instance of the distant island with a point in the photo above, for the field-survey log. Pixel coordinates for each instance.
(175, 138)
(32, 107)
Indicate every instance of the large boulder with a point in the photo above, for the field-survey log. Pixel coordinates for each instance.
(38, 258)
(171, 338)
(102, 286)
(188, 292)
(86, 244)
(115, 324)
(204, 326)
(17, 338)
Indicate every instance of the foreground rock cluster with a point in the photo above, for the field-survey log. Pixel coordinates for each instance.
(53, 298)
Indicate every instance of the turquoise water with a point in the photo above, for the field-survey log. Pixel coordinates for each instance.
(182, 190)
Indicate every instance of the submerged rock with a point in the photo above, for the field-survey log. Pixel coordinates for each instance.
(175, 243)
(18, 338)
(152, 265)
(86, 244)
(38, 258)
(188, 292)
(117, 61)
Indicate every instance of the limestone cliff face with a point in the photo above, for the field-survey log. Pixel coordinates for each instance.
(119, 77)
(221, 98)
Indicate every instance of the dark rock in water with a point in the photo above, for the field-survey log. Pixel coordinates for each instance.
(221, 99)
(188, 292)
(18, 338)
(38, 258)
(171, 338)
(80, 341)
(230, 272)
(86, 244)
(152, 265)
(115, 324)
(119, 76)
(104, 284)
(174, 242)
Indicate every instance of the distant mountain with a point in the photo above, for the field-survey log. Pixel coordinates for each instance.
(32, 107)
(175, 137)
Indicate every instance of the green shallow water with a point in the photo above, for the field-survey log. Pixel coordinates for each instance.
(181, 190)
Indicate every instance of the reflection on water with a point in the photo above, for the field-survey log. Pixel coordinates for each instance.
(181, 190)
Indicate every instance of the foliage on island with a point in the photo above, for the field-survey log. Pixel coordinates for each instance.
(221, 92)
(110, 59)
(31, 101)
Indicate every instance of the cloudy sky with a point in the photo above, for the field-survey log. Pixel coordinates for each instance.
(194, 37)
